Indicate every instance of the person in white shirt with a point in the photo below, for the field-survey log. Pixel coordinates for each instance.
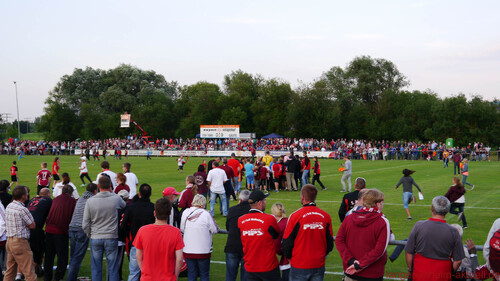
(132, 180)
(59, 186)
(215, 182)
(84, 172)
(3, 238)
(180, 163)
(110, 174)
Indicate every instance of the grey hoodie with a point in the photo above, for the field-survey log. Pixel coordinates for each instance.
(100, 218)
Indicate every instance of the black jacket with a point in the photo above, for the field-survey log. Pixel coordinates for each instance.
(233, 244)
(347, 203)
(138, 214)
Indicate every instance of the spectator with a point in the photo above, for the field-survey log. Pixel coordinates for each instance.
(107, 172)
(188, 193)
(18, 222)
(317, 173)
(363, 238)
(121, 179)
(234, 248)
(39, 208)
(408, 183)
(132, 180)
(230, 182)
(137, 215)
(5, 197)
(198, 226)
(279, 213)
(470, 262)
(43, 178)
(465, 174)
(358, 204)
(308, 238)
(79, 241)
(291, 169)
(258, 231)
(174, 217)
(56, 239)
(235, 165)
(122, 235)
(306, 168)
(201, 181)
(349, 199)
(249, 174)
(3, 240)
(215, 180)
(457, 158)
(491, 254)
(55, 170)
(432, 244)
(65, 181)
(347, 173)
(100, 223)
(159, 246)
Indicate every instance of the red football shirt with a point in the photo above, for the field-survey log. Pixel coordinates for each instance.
(158, 243)
(13, 170)
(258, 231)
(44, 177)
(235, 164)
(55, 168)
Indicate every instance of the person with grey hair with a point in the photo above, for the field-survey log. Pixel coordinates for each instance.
(434, 248)
(198, 226)
(234, 248)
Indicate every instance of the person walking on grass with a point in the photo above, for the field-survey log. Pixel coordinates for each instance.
(317, 173)
(408, 183)
(456, 195)
(347, 173)
(465, 173)
(84, 172)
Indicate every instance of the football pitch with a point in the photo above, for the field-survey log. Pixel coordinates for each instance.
(481, 207)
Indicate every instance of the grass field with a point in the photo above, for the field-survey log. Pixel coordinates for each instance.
(482, 206)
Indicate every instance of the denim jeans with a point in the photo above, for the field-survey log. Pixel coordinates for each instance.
(237, 188)
(407, 197)
(460, 207)
(222, 202)
(79, 242)
(98, 247)
(464, 180)
(233, 261)
(313, 274)
(305, 177)
(133, 266)
(198, 267)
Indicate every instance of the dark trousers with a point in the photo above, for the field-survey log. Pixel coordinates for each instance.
(37, 244)
(316, 178)
(456, 167)
(86, 176)
(460, 207)
(57, 244)
(272, 275)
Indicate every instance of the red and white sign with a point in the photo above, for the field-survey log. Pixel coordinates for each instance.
(219, 131)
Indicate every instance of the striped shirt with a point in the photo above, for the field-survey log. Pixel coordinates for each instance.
(18, 218)
(76, 220)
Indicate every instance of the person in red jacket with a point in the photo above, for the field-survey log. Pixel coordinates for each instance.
(308, 238)
(363, 238)
(187, 195)
(258, 231)
(56, 228)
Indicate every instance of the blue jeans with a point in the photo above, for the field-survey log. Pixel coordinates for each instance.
(79, 242)
(233, 261)
(237, 188)
(133, 266)
(305, 177)
(98, 247)
(407, 197)
(460, 207)
(223, 202)
(198, 267)
(464, 180)
(313, 274)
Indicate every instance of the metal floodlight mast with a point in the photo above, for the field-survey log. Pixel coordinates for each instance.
(18, 122)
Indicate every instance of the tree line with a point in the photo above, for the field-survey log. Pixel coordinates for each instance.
(364, 100)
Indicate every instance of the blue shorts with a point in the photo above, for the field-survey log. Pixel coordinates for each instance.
(407, 197)
(250, 179)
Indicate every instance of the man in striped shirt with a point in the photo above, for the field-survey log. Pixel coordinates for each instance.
(19, 221)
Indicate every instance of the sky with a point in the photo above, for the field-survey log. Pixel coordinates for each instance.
(449, 47)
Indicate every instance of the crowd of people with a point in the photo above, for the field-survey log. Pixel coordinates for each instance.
(173, 236)
(355, 148)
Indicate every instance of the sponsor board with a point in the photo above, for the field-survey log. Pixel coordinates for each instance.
(219, 131)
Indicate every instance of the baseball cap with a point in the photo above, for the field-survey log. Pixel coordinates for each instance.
(257, 196)
(170, 191)
(123, 194)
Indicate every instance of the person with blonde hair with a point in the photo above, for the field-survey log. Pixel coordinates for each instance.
(363, 238)
(278, 211)
(465, 173)
(198, 226)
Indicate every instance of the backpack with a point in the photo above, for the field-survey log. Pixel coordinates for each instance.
(494, 257)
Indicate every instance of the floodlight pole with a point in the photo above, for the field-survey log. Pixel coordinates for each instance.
(18, 122)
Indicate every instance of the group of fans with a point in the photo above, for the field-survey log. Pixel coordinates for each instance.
(116, 217)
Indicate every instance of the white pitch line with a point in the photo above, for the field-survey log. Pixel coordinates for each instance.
(392, 204)
(326, 272)
(371, 170)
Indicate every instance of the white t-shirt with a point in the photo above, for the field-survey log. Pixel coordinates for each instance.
(111, 175)
(217, 177)
(58, 190)
(83, 168)
(132, 183)
(180, 162)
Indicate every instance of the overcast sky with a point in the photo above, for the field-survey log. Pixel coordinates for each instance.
(446, 46)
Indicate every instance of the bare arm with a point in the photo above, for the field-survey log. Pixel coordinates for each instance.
(456, 265)
(178, 263)
(409, 261)
(139, 257)
(32, 226)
